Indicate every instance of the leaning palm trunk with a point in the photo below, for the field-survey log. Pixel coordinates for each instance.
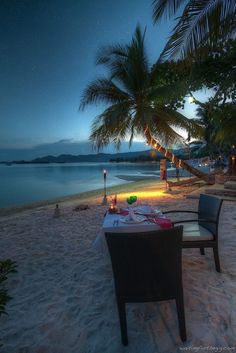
(178, 162)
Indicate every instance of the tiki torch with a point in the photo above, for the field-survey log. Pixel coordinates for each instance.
(104, 201)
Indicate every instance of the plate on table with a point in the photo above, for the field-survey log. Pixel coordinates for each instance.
(137, 219)
(147, 211)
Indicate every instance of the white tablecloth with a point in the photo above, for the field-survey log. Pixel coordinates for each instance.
(108, 226)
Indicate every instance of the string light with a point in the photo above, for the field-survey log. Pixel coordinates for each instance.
(191, 99)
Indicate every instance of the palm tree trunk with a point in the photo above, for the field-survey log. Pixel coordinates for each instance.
(178, 162)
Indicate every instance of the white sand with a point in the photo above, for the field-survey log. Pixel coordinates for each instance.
(63, 295)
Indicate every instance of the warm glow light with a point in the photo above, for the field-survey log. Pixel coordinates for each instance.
(147, 192)
(152, 153)
(144, 195)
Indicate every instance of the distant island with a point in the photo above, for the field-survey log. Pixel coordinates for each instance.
(93, 158)
(132, 157)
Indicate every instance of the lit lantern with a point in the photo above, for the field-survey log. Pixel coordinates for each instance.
(104, 201)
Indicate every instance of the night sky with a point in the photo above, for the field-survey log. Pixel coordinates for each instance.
(47, 57)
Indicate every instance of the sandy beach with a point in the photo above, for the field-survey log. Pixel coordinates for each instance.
(63, 299)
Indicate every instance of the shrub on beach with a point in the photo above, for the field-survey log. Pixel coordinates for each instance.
(6, 267)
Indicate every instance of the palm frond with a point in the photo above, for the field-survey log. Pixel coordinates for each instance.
(127, 64)
(178, 120)
(225, 117)
(107, 54)
(173, 120)
(165, 8)
(111, 126)
(113, 57)
(132, 132)
(134, 70)
(202, 23)
(102, 90)
(165, 134)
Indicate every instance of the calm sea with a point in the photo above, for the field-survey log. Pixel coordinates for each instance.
(23, 184)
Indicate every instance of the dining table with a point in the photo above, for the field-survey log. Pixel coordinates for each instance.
(142, 219)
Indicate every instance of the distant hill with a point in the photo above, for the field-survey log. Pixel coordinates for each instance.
(99, 157)
(96, 158)
(142, 156)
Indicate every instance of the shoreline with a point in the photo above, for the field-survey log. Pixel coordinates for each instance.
(92, 196)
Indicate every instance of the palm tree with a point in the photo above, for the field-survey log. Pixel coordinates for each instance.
(137, 103)
(206, 113)
(225, 119)
(203, 23)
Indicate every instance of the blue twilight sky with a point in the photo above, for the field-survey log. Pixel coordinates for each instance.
(47, 55)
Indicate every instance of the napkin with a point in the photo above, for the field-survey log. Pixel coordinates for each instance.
(124, 211)
(131, 216)
(148, 210)
(163, 222)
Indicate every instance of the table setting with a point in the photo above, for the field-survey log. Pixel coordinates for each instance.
(131, 219)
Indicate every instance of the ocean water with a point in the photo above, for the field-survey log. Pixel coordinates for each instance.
(24, 184)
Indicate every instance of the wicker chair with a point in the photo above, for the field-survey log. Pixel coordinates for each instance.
(147, 267)
(202, 232)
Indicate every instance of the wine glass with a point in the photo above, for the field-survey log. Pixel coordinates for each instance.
(132, 199)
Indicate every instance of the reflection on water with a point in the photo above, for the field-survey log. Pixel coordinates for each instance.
(21, 184)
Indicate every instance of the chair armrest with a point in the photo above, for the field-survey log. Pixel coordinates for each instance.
(194, 220)
(207, 220)
(185, 221)
(180, 211)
